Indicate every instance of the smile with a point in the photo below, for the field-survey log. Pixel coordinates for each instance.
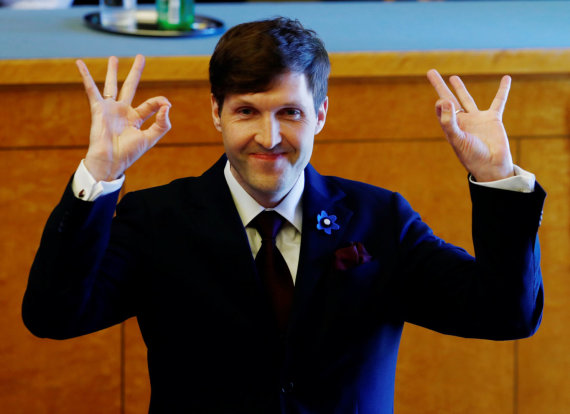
(268, 156)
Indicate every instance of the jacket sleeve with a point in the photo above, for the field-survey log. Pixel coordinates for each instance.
(498, 294)
(77, 284)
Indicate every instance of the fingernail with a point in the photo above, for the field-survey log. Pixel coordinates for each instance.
(446, 107)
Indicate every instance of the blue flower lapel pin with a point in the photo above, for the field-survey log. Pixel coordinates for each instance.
(326, 222)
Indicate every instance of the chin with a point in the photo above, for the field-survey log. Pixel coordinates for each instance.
(271, 187)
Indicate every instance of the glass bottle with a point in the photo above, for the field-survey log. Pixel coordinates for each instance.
(175, 14)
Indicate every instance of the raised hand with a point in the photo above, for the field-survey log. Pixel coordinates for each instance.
(477, 137)
(116, 139)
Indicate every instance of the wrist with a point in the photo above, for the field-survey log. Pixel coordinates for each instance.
(86, 188)
(494, 174)
(101, 170)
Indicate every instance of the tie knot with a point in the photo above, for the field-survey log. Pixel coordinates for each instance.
(268, 224)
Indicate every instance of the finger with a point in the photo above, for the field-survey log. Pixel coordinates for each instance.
(110, 88)
(160, 127)
(130, 85)
(89, 84)
(445, 111)
(500, 99)
(149, 107)
(441, 88)
(465, 98)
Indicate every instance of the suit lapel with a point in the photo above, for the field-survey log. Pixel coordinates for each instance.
(317, 247)
(216, 221)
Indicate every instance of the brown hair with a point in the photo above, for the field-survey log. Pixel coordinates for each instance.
(249, 57)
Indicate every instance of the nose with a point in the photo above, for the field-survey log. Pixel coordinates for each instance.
(269, 132)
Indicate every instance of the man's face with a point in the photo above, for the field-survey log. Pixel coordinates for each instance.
(268, 136)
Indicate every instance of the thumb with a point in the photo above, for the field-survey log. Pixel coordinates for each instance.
(445, 111)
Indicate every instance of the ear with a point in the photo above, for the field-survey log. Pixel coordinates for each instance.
(216, 113)
(322, 115)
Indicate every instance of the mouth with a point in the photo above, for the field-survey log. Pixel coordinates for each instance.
(268, 156)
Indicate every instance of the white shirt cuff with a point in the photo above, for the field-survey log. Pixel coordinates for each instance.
(86, 188)
(522, 182)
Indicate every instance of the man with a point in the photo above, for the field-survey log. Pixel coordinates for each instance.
(313, 323)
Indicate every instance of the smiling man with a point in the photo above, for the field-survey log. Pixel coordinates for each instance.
(268, 136)
(262, 286)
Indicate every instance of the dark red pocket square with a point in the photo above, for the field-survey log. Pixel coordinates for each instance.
(351, 256)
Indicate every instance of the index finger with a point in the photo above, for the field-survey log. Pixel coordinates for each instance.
(91, 89)
(441, 88)
(130, 85)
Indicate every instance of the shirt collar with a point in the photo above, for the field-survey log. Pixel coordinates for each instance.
(290, 207)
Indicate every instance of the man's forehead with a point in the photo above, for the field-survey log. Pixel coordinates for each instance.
(288, 85)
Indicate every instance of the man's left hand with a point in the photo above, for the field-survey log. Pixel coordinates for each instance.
(477, 137)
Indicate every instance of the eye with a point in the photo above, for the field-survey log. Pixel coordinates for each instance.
(245, 111)
(292, 113)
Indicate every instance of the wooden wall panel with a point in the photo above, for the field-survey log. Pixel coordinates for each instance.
(537, 106)
(63, 113)
(544, 371)
(44, 115)
(43, 376)
(190, 113)
(403, 107)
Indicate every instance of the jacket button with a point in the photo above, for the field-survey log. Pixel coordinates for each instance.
(287, 388)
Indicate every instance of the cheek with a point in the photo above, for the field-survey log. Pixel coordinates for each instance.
(234, 138)
(307, 150)
(304, 146)
(307, 137)
(299, 135)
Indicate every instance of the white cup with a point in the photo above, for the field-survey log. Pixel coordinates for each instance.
(118, 13)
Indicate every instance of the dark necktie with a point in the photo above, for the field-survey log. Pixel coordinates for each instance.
(271, 266)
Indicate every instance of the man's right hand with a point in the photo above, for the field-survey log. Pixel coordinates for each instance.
(116, 140)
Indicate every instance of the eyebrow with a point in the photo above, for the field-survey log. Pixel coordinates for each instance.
(245, 101)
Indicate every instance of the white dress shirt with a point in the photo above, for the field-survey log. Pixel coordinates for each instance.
(288, 239)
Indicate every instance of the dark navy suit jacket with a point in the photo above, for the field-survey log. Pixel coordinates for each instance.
(177, 257)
